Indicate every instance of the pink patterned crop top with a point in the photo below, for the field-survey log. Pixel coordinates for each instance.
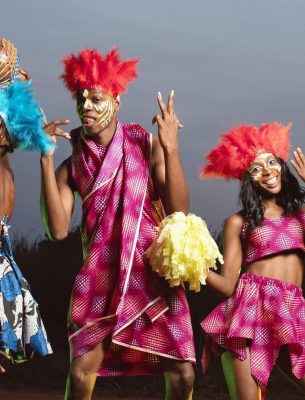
(274, 236)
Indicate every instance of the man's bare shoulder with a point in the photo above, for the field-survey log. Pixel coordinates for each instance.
(64, 166)
(64, 174)
(75, 131)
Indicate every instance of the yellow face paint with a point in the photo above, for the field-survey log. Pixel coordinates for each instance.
(265, 163)
(105, 109)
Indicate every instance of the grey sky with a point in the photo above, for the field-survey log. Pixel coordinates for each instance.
(228, 61)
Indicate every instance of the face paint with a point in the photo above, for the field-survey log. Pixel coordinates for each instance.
(105, 109)
(264, 164)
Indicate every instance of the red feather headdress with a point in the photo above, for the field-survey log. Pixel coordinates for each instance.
(91, 70)
(240, 145)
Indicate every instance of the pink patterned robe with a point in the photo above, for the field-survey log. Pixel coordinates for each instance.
(116, 294)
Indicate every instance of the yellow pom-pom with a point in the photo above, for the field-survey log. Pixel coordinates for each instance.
(184, 250)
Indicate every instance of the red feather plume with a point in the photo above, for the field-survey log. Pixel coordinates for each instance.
(240, 145)
(91, 70)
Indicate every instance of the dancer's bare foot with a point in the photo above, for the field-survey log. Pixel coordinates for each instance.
(3, 356)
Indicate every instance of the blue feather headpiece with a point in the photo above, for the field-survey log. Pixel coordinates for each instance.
(23, 118)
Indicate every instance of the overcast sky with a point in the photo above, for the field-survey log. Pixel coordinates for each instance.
(228, 61)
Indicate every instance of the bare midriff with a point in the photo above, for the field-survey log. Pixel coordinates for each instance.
(287, 266)
(7, 190)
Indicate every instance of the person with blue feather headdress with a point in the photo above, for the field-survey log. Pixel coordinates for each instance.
(22, 127)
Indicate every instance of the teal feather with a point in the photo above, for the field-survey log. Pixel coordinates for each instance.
(23, 118)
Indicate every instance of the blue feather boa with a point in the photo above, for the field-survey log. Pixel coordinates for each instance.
(23, 118)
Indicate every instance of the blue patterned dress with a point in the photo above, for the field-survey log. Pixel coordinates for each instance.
(22, 333)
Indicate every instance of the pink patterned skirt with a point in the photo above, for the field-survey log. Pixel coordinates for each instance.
(263, 314)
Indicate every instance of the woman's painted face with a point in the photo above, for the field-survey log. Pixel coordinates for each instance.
(265, 172)
(95, 109)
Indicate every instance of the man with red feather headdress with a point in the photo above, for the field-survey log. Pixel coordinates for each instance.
(123, 318)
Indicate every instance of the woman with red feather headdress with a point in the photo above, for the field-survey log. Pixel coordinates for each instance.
(123, 318)
(262, 323)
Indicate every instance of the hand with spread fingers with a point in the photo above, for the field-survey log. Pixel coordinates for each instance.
(52, 130)
(299, 163)
(168, 123)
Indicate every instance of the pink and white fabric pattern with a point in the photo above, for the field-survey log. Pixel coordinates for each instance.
(116, 293)
(274, 236)
(263, 315)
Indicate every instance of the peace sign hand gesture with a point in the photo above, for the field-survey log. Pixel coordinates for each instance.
(168, 123)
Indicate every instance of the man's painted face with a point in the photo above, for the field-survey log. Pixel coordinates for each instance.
(265, 171)
(95, 109)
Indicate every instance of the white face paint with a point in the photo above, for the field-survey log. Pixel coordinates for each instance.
(96, 109)
(264, 164)
(266, 173)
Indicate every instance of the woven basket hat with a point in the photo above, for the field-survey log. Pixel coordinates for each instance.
(8, 63)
